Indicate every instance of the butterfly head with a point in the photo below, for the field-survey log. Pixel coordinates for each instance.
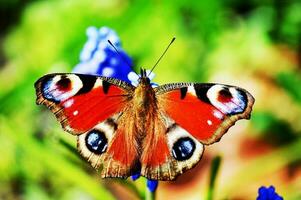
(143, 79)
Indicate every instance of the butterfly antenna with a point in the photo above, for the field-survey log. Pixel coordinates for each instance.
(173, 39)
(120, 55)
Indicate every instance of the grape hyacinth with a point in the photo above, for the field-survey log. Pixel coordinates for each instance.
(152, 185)
(268, 193)
(98, 57)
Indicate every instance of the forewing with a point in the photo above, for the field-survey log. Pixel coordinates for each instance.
(206, 111)
(80, 101)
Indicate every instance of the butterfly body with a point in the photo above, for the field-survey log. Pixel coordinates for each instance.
(159, 132)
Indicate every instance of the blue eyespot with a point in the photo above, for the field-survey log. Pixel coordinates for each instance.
(47, 92)
(183, 149)
(96, 142)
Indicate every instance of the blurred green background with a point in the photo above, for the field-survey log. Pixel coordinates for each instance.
(252, 44)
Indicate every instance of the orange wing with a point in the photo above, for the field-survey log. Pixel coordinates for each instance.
(82, 101)
(206, 111)
(188, 117)
(93, 108)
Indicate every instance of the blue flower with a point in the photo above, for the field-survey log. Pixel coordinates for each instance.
(152, 185)
(135, 176)
(98, 57)
(268, 193)
(133, 77)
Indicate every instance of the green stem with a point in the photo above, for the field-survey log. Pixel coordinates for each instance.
(213, 173)
(149, 195)
(132, 187)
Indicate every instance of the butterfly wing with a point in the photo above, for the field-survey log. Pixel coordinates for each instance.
(206, 111)
(189, 116)
(169, 150)
(82, 101)
(95, 109)
(111, 146)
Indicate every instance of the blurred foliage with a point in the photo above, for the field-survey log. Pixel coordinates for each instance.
(255, 44)
(291, 82)
(270, 127)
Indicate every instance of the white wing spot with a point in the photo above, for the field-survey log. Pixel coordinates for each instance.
(75, 112)
(68, 103)
(98, 83)
(209, 122)
(218, 114)
(191, 90)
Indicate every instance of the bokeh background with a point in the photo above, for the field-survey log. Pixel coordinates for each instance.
(254, 44)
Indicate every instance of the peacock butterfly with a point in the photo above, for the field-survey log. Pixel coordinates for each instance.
(158, 131)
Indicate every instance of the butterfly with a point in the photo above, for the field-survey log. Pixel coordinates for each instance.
(123, 129)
